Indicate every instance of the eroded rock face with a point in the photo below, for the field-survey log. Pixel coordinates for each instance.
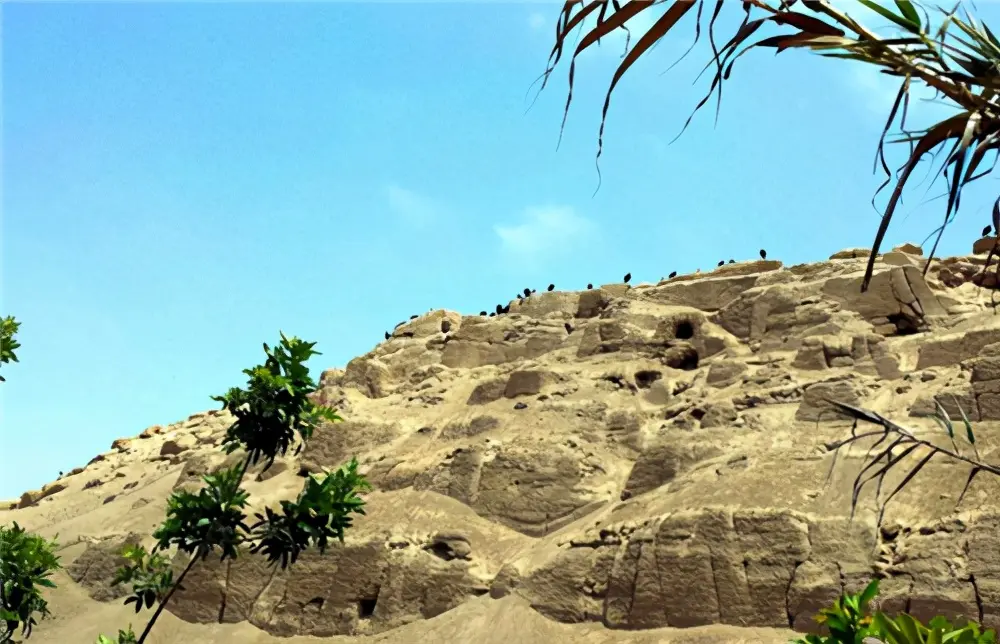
(641, 456)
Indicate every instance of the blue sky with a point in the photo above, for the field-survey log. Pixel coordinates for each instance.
(181, 181)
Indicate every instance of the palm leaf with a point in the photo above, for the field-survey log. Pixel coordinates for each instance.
(962, 67)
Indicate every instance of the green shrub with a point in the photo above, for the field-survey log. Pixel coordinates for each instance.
(26, 562)
(8, 329)
(850, 622)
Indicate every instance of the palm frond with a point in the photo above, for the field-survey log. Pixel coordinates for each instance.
(960, 61)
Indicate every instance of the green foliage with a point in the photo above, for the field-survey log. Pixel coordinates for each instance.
(271, 413)
(275, 404)
(124, 637)
(199, 523)
(850, 622)
(905, 629)
(149, 574)
(26, 562)
(8, 329)
(322, 510)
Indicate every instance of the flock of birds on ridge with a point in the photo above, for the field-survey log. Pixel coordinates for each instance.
(528, 292)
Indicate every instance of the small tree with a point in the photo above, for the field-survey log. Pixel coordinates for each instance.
(270, 412)
(8, 329)
(26, 562)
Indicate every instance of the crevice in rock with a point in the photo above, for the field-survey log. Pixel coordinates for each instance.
(979, 598)
(715, 584)
(635, 578)
(788, 595)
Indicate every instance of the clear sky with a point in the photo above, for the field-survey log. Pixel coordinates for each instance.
(181, 181)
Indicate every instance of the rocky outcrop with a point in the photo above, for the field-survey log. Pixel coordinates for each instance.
(633, 456)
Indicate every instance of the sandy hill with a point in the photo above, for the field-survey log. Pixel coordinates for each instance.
(641, 463)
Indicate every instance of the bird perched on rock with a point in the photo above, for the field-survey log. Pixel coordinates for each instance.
(520, 297)
(483, 313)
(499, 309)
(414, 317)
(987, 230)
(492, 314)
(590, 286)
(732, 261)
(672, 275)
(527, 292)
(387, 336)
(506, 309)
(763, 254)
(628, 276)
(722, 262)
(551, 288)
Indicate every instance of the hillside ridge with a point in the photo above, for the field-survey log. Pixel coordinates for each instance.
(635, 463)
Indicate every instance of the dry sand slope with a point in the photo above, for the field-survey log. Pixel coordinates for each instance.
(624, 464)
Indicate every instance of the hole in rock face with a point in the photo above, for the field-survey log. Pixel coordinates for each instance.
(442, 550)
(698, 413)
(645, 378)
(366, 607)
(684, 330)
(905, 325)
(684, 358)
(317, 602)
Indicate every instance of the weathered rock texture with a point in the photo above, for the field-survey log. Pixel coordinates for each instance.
(632, 458)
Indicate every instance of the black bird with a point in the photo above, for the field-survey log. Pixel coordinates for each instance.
(551, 288)
(986, 231)
(590, 286)
(628, 276)
(506, 309)
(722, 262)
(569, 327)
(732, 261)
(499, 309)
(399, 324)
(533, 291)
(414, 317)
(520, 297)
(527, 292)
(672, 275)
(387, 336)
(492, 314)
(482, 313)
(763, 254)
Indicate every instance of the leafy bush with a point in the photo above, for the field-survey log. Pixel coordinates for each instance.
(26, 562)
(8, 329)
(271, 413)
(850, 622)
